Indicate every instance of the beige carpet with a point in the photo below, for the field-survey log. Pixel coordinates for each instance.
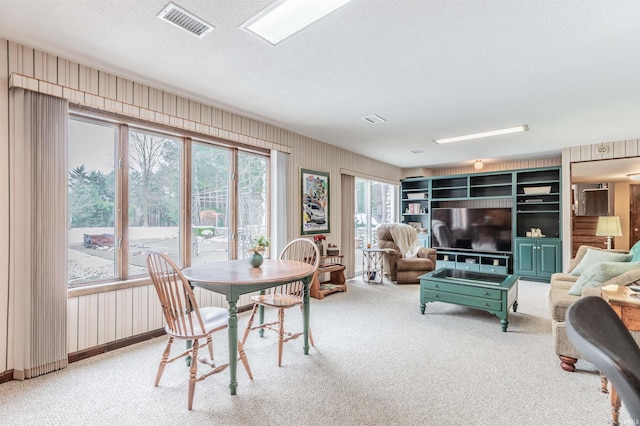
(378, 361)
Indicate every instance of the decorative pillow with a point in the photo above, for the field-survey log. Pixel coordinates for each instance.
(582, 250)
(635, 252)
(600, 273)
(598, 256)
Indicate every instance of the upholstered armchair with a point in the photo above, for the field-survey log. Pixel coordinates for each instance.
(397, 266)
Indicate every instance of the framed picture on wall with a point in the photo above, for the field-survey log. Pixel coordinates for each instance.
(314, 196)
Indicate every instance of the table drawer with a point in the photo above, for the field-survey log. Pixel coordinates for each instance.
(502, 270)
(461, 289)
(461, 299)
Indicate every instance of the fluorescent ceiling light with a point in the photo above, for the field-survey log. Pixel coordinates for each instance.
(634, 176)
(284, 18)
(522, 128)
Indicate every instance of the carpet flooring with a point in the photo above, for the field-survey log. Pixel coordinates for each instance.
(377, 361)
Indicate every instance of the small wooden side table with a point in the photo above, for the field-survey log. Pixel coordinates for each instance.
(627, 306)
(334, 267)
(372, 266)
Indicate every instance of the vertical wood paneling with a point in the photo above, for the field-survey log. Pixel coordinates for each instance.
(26, 58)
(123, 313)
(74, 76)
(83, 79)
(87, 321)
(72, 324)
(502, 166)
(93, 81)
(108, 327)
(4, 205)
(139, 310)
(38, 65)
(155, 311)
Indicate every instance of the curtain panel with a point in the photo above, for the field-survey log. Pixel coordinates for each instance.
(38, 231)
(348, 210)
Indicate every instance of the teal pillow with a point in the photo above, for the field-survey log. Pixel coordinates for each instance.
(598, 256)
(635, 252)
(600, 273)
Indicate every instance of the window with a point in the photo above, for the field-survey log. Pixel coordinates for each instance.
(252, 200)
(153, 198)
(376, 203)
(126, 198)
(91, 202)
(209, 203)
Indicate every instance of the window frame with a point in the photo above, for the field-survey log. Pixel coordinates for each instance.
(186, 138)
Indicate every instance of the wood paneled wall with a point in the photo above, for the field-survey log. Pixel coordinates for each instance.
(499, 166)
(99, 318)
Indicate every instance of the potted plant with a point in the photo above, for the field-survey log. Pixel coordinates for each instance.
(257, 247)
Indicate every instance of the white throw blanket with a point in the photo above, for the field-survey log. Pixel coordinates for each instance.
(406, 237)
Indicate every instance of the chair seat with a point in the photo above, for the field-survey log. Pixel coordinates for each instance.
(277, 300)
(212, 317)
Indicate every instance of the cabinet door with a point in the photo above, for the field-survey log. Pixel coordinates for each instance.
(525, 259)
(549, 258)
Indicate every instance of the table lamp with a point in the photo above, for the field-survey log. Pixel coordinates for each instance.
(609, 226)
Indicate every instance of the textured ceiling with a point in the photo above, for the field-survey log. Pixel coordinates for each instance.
(432, 69)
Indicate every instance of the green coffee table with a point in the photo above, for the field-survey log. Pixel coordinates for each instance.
(495, 293)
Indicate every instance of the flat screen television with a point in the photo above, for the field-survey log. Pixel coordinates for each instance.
(481, 229)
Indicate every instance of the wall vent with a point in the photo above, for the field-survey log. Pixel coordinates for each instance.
(175, 15)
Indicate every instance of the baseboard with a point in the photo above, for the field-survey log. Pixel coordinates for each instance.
(111, 346)
(7, 376)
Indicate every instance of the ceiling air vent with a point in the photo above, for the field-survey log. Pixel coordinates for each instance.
(374, 119)
(174, 14)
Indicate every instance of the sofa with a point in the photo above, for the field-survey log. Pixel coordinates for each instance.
(397, 266)
(591, 269)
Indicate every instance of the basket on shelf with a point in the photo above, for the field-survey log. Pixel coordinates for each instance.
(333, 251)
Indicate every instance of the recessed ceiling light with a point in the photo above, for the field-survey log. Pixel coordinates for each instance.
(522, 128)
(374, 119)
(634, 176)
(284, 18)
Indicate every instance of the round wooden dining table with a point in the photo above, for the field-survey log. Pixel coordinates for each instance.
(233, 278)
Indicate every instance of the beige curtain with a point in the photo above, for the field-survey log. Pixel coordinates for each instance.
(38, 231)
(348, 208)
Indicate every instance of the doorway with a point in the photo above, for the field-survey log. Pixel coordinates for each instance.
(634, 214)
(375, 203)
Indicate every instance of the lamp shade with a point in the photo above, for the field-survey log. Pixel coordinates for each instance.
(609, 226)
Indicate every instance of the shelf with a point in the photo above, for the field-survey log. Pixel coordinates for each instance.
(449, 182)
(492, 189)
(492, 180)
(497, 263)
(331, 265)
(328, 287)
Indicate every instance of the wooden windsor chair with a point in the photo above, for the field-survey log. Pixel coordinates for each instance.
(186, 321)
(286, 296)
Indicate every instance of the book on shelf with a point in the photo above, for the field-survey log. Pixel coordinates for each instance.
(328, 286)
(414, 208)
